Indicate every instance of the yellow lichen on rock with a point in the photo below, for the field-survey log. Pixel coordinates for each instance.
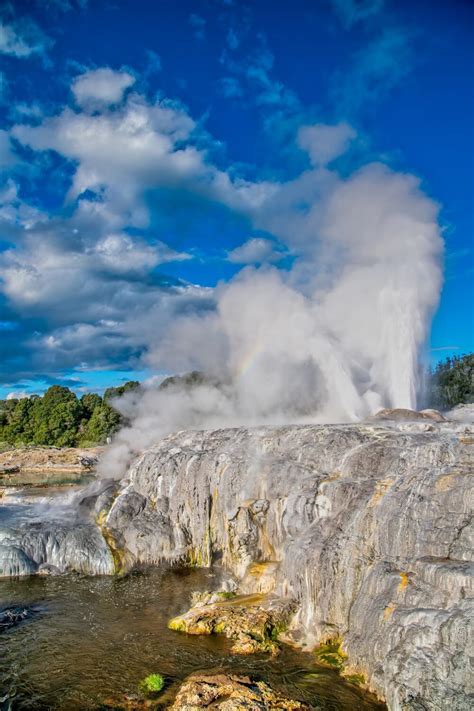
(253, 622)
(403, 582)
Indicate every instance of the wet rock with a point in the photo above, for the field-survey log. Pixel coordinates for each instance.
(230, 693)
(253, 622)
(13, 616)
(77, 547)
(48, 569)
(14, 561)
(97, 497)
(369, 528)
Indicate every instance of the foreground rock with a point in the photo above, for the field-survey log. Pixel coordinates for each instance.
(253, 622)
(230, 693)
(367, 527)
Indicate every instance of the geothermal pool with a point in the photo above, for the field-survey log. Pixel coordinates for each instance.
(88, 641)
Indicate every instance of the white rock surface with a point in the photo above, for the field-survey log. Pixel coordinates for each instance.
(370, 524)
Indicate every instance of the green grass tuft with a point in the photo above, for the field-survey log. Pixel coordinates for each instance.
(152, 684)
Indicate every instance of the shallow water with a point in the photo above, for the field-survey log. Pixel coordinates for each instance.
(91, 640)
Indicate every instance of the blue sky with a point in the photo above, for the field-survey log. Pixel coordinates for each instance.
(139, 141)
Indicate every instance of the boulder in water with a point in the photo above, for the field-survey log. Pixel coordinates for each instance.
(253, 622)
(230, 693)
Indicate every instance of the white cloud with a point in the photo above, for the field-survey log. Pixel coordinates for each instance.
(255, 251)
(22, 39)
(123, 255)
(99, 88)
(324, 142)
(123, 153)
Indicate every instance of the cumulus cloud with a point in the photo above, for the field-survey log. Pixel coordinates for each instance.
(123, 153)
(256, 251)
(325, 143)
(101, 87)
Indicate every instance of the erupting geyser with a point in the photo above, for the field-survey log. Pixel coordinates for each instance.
(332, 339)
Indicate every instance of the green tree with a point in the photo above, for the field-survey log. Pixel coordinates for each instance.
(60, 419)
(89, 401)
(103, 422)
(129, 386)
(57, 417)
(17, 424)
(451, 382)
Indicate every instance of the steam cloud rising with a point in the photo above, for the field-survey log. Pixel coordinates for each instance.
(334, 338)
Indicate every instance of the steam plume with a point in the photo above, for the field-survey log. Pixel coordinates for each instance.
(334, 338)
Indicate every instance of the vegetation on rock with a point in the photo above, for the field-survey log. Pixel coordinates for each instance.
(330, 654)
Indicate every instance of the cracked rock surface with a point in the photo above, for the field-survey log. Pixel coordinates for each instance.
(367, 527)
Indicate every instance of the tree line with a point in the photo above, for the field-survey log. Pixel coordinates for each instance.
(60, 419)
